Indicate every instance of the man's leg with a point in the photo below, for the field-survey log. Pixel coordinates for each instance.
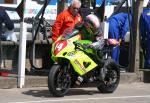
(115, 54)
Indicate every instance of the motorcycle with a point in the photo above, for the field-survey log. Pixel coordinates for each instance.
(76, 64)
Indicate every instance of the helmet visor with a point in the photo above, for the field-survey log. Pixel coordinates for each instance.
(89, 27)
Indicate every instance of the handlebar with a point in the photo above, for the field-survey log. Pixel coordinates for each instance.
(78, 45)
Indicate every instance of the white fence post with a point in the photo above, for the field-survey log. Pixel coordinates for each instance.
(22, 52)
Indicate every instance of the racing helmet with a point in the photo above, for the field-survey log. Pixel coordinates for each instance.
(92, 24)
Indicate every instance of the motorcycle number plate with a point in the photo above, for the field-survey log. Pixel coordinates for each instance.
(59, 46)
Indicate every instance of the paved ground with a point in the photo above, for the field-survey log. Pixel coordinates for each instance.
(41, 81)
(125, 93)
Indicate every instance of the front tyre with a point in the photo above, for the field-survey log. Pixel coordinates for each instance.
(112, 77)
(58, 80)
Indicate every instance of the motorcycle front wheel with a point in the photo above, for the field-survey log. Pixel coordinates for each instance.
(112, 77)
(59, 80)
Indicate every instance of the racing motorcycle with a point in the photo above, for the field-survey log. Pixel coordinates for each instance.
(75, 63)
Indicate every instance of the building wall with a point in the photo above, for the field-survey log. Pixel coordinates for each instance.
(10, 55)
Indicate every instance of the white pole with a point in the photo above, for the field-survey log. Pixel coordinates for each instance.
(22, 52)
(106, 29)
(22, 55)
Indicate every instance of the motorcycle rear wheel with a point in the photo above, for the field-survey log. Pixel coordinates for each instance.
(58, 81)
(112, 77)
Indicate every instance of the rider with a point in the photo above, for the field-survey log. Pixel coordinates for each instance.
(90, 29)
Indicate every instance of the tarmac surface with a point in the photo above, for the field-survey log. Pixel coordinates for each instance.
(125, 93)
(41, 81)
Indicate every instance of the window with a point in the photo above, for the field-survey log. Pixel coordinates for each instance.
(9, 1)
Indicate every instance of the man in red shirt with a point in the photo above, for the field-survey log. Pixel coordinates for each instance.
(66, 19)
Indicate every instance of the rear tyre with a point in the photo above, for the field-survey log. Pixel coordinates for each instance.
(58, 81)
(112, 77)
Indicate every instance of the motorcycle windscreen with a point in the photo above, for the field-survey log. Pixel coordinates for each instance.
(82, 63)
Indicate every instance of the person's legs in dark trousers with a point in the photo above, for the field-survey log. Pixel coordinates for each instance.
(147, 62)
(115, 54)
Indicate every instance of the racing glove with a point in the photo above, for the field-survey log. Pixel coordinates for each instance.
(97, 45)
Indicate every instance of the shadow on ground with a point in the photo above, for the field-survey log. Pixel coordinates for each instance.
(73, 91)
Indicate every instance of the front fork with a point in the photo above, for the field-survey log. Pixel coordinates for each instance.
(65, 77)
(103, 72)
